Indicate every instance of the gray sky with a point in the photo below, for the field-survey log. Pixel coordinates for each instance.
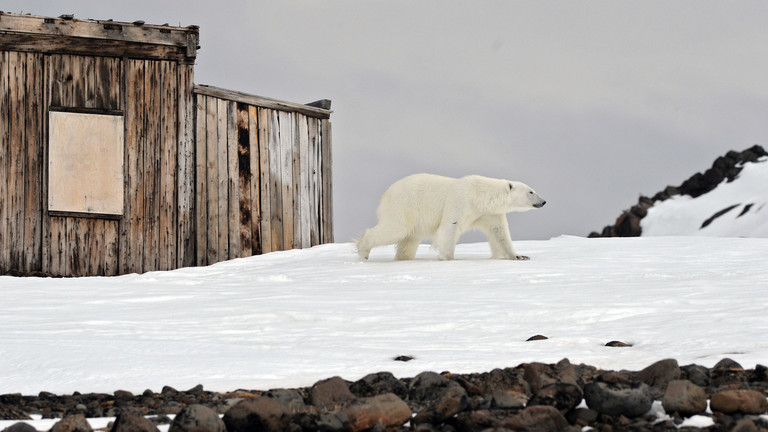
(591, 103)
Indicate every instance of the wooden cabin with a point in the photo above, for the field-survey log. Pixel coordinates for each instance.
(113, 161)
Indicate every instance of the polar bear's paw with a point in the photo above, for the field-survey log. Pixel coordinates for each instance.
(520, 258)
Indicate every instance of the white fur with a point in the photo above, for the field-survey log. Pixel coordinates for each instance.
(424, 206)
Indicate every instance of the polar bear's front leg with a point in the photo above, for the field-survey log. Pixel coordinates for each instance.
(497, 230)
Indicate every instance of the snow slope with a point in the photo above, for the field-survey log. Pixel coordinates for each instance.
(746, 197)
(288, 319)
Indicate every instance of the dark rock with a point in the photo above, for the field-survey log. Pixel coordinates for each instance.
(745, 425)
(439, 397)
(379, 383)
(196, 390)
(127, 421)
(537, 337)
(11, 412)
(727, 363)
(387, 409)
(72, 423)
(508, 399)
(20, 427)
(197, 418)
(617, 344)
(291, 399)
(582, 417)
(685, 398)
(563, 396)
(696, 374)
(330, 393)
(739, 401)
(260, 413)
(123, 394)
(168, 390)
(615, 394)
(538, 418)
(659, 374)
(403, 358)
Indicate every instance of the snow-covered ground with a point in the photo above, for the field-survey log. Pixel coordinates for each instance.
(288, 319)
(746, 197)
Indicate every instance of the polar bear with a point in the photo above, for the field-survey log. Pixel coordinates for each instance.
(424, 206)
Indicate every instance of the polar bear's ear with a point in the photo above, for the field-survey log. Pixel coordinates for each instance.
(510, 186)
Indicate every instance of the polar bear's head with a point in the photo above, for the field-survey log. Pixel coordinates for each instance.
(522, 198)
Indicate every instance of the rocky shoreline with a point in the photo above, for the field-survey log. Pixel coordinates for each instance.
(531, 396)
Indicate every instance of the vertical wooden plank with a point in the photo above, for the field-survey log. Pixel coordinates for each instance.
(245, 183)
(185, 194)
(255, 187)
(5, 91)
(276, 182)
(314, 173)
(296, 180)
(304, 180)
(212, 160)
(265, 180)
(151, 172)
(201, 181)
(110, 247)
(58, 250)
(286, 161)
(233, 187)
(46, 235)
(33, 181)
(132, 224)
(94, 255)
(17, 75)
(222, 181)
(327, 168)
(168, 160)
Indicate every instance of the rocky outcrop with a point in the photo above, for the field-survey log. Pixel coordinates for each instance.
(532, 396)
(725, 168)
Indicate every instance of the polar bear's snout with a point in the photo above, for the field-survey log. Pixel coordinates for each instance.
(540, 205)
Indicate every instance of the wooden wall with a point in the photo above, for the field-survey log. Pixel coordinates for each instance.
(209, 174)
(263, 176)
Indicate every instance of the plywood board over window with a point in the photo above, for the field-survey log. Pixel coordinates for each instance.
(85, 163)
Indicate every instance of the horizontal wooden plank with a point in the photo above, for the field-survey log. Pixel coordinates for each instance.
(96, 29)
(52, 44)
(262, 102)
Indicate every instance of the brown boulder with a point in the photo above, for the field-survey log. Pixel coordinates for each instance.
(72, 423)
(685, 398)
(387, 410)
(331, 393)
(260, 413)
(739, 401)
(129, 422)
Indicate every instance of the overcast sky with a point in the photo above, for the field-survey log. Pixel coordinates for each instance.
(591, 103)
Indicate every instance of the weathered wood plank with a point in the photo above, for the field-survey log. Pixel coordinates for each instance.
(94, 29)
(327, 169)
(5, 143)
(168, 162)
(286, 161)
(275, 181)
(304, 181)
(314, 172)
(222, 179)
(33, 168)
(132, 225)
(201, 181)
(212, 197)
(265, 180)
(245, 181)
(111, 247)
(17, 154)
(57, 259)
(233, 186)
(151, 171)
(262, 102)
(255, 186)
(185, 194)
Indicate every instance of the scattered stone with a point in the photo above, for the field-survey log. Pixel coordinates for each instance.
(122, 394)
(617, 344)
(330, 393)
(291, 399)
(387, 410)
(739, 401)
(563, 396)
(439, 397)
(20, 427)
(72, 423)
(615, 394)
(538, 418)
(537, 337)
(508, 399)
(684, 398)
(10, 412)
(403, 358)
(379, 383)
(659, 374)
(127, 421)
(260, 413)
(197, 418)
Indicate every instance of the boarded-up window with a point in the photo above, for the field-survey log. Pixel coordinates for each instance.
(85, 163)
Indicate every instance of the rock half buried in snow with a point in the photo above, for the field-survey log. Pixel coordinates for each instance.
(196, 418)
(739, 401)
(684, 398)
(616, 394)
